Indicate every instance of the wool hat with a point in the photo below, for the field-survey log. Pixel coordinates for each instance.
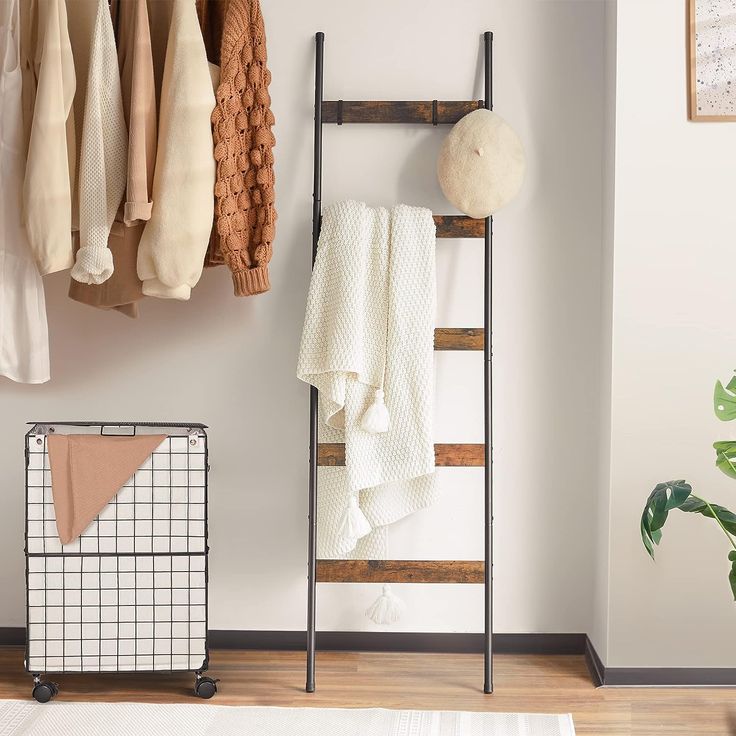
(481, 164)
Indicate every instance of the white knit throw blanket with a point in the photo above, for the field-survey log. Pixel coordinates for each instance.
(369, 324)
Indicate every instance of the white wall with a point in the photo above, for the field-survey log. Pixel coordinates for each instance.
(230, 362)
(598, 631)
(673, 297)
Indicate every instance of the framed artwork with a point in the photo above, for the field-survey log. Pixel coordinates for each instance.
(712, 60)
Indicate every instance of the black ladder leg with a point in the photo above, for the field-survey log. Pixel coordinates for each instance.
(488, 402)
(319, 41)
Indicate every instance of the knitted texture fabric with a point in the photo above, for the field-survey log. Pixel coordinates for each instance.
(211, 15)
(244, 191)
(103, 161)
(370, 322)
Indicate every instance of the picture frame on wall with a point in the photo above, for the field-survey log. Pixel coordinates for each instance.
(711, 40)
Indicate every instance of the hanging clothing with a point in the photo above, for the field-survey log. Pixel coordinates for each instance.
(135, 56)
(123, 289)
(24, 343)
(369, 326)
(49, 83)
(103, 158)
(211, 15)
(245, 216)
(175, 239)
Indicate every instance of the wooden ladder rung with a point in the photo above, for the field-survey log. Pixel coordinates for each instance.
(332, 454)
(396, 111)
(400, 571)
(458, 338)
(459, 226)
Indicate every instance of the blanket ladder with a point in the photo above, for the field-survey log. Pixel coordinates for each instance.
(447, 455)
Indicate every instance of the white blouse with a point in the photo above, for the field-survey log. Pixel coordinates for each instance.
(24, 342)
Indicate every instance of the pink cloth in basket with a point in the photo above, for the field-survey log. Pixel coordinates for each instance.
(87, 470)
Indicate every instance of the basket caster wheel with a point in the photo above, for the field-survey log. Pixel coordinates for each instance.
(205, 687)
(44, 691)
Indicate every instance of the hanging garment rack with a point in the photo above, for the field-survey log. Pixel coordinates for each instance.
(447, 455)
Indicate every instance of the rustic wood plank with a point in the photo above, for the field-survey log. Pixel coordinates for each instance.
(400, 571)
(396, 111)
(458, 338)
(459, 226)
(332, 454)
(460, 455)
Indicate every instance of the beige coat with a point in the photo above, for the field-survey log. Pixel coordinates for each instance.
(49, 83)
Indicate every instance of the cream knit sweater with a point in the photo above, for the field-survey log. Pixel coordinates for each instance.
(103, 160)
(172, 249)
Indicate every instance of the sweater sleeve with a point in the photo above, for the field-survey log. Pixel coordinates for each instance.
(242, 128)
(47, 202)
(139, 104)
(104, 155)
(174, 242)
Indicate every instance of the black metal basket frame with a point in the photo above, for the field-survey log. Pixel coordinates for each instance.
(48, 427)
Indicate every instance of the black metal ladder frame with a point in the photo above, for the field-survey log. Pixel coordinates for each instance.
(319, 104)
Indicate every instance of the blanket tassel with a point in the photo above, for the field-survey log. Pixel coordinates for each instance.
(376, 420)
(387, 608)
(354, 523)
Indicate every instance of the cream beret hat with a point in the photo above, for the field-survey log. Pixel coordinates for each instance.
(481, 164)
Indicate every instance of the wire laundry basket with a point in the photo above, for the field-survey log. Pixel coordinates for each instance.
(130, 593)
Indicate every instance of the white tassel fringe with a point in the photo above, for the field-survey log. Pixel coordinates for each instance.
(354, 524)
(376, 419)
(387, 608)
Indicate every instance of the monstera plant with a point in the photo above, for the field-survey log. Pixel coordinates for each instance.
(678, 494)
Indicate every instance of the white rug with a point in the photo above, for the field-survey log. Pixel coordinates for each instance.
(204, 719)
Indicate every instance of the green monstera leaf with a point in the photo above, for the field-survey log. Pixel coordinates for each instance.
(732, 574)
(677, 494)
(726, 518)
(726, 457)
(724, 400)
(664, 498)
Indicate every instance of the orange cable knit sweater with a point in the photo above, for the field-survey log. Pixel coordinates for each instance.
(244, 190)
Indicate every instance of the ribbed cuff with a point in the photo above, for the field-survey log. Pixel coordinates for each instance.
(93, 265)
(250, 282)
(135, 211)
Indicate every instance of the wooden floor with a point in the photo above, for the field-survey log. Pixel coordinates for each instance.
(551, 684)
